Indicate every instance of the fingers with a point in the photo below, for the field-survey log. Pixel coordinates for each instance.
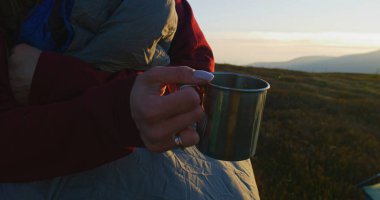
(157, 109)
(23, 55)
(22, 64)
(160, 131)
(179, 75)
(162, 138)
(180, 122)
(179, 102)
(188, 137)
(158, 117)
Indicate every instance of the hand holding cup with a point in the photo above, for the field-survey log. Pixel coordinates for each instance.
(160, 117)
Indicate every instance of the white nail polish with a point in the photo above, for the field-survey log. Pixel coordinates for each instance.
(203, 75)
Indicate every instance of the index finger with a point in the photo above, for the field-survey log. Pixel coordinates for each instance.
(178, 75)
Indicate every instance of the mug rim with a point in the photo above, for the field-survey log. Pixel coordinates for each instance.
(238, 89)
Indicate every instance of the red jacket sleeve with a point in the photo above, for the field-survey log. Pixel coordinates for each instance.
(68, 79)
(79, 117)
(43, 141)
(189, 46)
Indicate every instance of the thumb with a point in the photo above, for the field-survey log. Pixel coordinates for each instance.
(178, 75)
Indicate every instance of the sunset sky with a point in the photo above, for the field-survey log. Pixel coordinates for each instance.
(248, 31)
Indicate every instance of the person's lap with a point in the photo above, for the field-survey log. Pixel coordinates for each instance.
(177, 174)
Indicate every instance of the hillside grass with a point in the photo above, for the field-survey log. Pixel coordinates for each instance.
(320, 134)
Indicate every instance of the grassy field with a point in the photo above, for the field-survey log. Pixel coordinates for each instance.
(320, 134)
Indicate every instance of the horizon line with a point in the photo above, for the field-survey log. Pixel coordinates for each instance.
(347, 39)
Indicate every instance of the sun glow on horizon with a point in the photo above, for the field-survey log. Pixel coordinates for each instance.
(323, 38)
(249, 47)
(247, 31)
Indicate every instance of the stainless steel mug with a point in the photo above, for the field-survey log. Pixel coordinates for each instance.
(233, 104)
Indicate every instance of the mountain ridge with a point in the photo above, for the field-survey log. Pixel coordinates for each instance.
(367, 63)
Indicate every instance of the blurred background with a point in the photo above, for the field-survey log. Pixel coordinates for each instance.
(245, 32)
(320, 133)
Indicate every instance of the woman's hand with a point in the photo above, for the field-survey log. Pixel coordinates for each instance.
(159, 118)
(22, 63)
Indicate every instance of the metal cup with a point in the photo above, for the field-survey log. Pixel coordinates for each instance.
(233, 104)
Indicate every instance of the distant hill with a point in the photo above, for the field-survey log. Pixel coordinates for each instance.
(298, 62)
(368, 63)
(319, 135)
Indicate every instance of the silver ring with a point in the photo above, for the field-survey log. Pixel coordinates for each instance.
(178, 140)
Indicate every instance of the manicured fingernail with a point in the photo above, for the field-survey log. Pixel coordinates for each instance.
(203, 75)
